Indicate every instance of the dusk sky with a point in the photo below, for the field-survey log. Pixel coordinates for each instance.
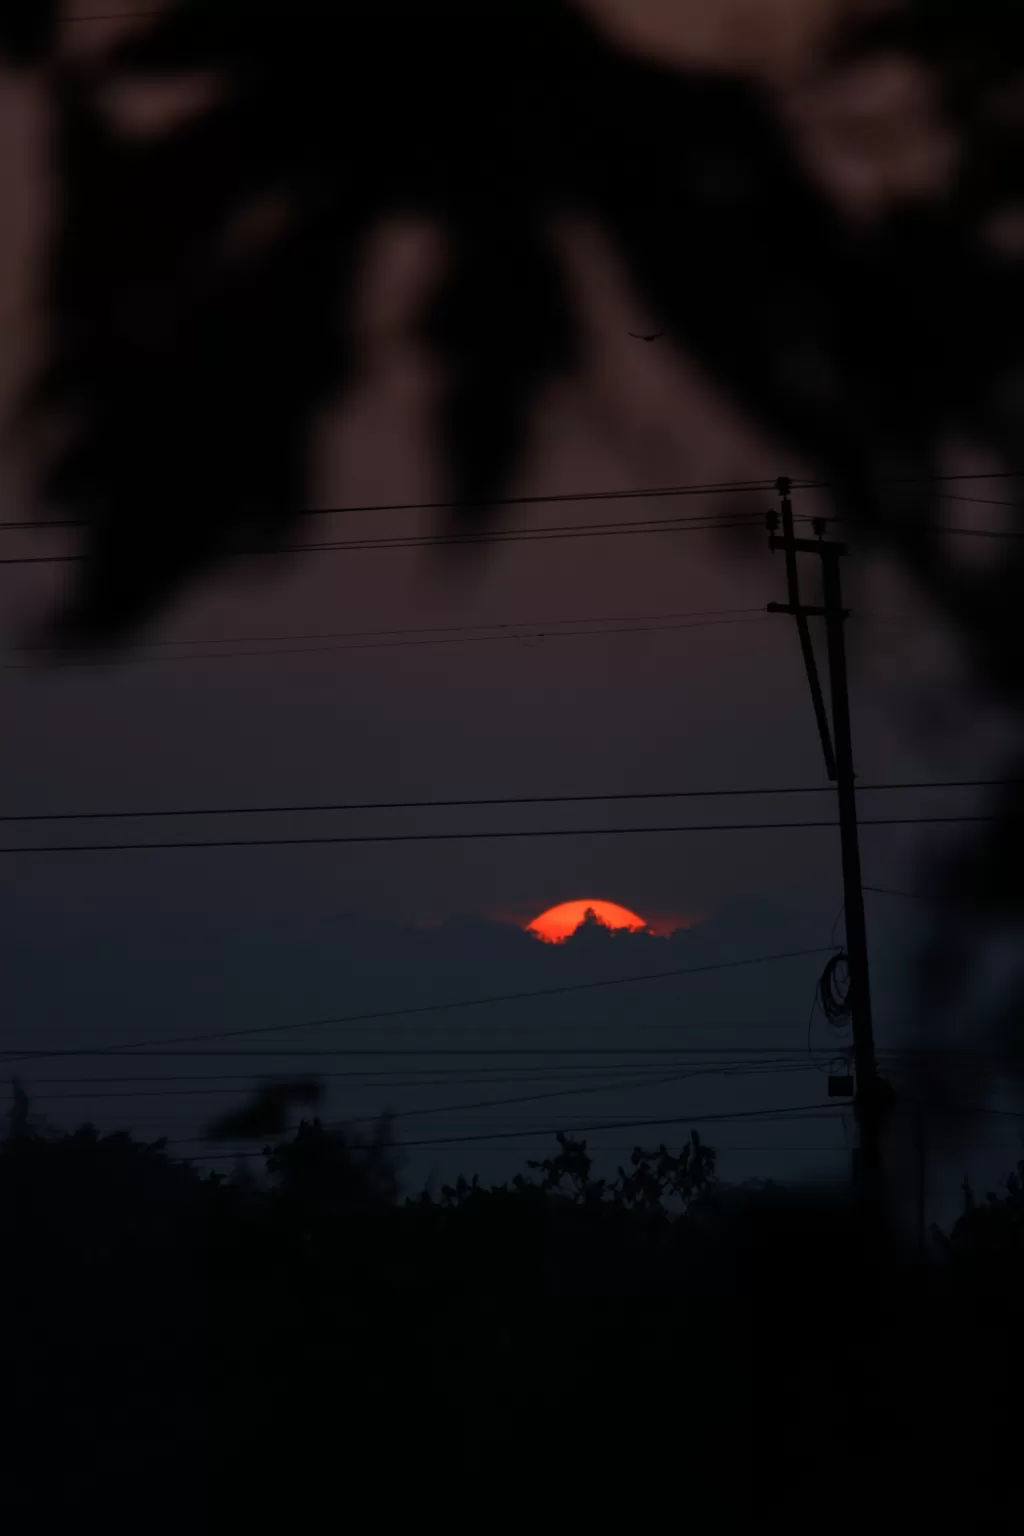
(327, 678)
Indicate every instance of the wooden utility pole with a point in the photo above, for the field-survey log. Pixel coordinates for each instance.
(837, 746)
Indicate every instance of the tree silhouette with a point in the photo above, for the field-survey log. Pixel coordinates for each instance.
(989, 1234)
(336, 1168)
(193, 1350)
(267, 1112)
(681, 1177)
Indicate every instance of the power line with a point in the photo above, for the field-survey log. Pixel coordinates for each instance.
(709, 488)
(668, 1053)
(969, 1109)
(466, 634)
(138, 1050)
(372, 1077)
(115, 16)
(922, 525)
(428, 629)
(621, 1125)
(544, 1149)
(440, 541)
(800, 1112)
(514, 635)
(641, 1077)
(756, 1069)
(708, 1058)
(620, 1147)
(574, 498)
(797, 1111)
(422, 1008)
(826, 485)
(640, 493)
(542, 536)
(981, 501)
(672, 521)
(130, 659)
(509, 629)
(489, 836)
(467, 803)
(456, 1077)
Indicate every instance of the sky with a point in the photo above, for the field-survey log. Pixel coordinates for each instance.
(326, 678)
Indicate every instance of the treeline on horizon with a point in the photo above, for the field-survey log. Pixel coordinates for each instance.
(237, 1348)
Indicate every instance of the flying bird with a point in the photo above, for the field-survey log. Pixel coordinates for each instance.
(654, 336)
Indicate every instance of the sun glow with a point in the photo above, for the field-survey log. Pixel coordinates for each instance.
(558, 923)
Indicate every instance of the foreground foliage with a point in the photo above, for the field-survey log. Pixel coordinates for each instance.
(211, 1348)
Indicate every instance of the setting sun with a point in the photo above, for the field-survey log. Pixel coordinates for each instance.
(558, 923)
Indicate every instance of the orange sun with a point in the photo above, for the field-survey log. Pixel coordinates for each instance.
(558, 923)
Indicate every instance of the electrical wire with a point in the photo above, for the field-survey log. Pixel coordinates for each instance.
(495, 800)
(981, 501)
(841, 913)
(439, 541)
(672, 523)
(138, 656)
(367, 1078)
(796, 1112)
(543, 536)
(921, 525)
(517, 630)
(810, 1023)
(648, 1077)
(668, 1053)
(114, 16)
(488, 836)
(833, 995)
(97, 662)
(965, 1109)
(715, 487)
(457, 1077)
(548, 498)
(428, 629)
(998, 474)
(404, 1078)
(620, 1147)
(521, 636)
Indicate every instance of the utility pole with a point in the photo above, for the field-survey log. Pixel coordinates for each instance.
(837, 746)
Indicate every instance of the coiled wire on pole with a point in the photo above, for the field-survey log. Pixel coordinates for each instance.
(834, 990)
